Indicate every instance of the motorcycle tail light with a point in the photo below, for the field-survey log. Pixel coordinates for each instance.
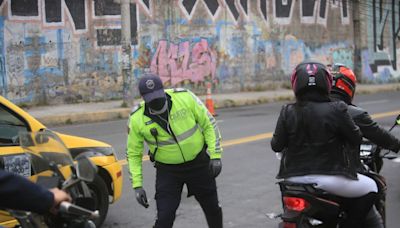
(295, 203)
(289, 225)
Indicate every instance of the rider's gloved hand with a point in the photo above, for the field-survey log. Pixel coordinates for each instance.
(215, 167)
(141, 197)
(59, 196)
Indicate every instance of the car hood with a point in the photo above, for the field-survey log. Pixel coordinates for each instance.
(76, 142)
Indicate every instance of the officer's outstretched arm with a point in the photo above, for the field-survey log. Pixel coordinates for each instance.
(134, 154)
(209, 125)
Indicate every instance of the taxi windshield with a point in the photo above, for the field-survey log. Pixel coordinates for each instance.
(10, 126)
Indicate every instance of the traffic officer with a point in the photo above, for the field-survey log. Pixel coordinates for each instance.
(184, 144)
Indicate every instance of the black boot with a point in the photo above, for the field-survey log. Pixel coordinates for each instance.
(358, 209)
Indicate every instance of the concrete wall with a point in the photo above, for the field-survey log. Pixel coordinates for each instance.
(61, 51)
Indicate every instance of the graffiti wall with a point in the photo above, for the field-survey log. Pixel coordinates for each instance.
(61, 51)
(3, 82)
(240, 44)
(380, 57)
(187, 61)
(65, 51)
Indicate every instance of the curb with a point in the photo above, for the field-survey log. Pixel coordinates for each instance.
(229, 103)
(123, 113)
(368, 89)
(88, 117)
(236, 100)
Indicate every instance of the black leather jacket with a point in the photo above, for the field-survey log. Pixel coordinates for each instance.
(369, 128)
(372, 131)
(312, 137)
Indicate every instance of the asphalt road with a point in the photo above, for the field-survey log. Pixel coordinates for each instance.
(247, 188)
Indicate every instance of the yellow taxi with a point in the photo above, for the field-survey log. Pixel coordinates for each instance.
(106, 187)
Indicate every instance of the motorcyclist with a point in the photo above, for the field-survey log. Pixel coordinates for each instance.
(311, 134)
(18, 193)
(343, 89)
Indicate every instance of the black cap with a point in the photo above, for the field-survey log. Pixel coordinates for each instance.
(151, 87)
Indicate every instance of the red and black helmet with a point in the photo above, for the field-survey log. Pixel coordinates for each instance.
(311, 75)
(344, 80)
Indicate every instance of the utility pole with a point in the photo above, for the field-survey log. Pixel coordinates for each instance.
(357, 39)
(126, 51)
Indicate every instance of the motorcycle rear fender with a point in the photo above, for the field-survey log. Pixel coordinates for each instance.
(320, 208)
(323, 206)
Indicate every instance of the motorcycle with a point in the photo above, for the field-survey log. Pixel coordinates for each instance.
(305, 206)
(51, 165)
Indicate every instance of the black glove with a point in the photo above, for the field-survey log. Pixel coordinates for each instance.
(141, 197)
(215, 167)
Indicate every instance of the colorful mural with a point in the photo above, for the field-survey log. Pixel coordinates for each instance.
(63, 51)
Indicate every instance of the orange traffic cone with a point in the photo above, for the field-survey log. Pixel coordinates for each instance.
(209, 100)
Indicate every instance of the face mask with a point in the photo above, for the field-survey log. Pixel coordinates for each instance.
(158, 106)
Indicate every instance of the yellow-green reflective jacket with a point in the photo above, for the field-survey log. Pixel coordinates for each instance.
(192, 125)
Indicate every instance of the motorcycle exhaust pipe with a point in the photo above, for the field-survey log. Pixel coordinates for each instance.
(69, 208)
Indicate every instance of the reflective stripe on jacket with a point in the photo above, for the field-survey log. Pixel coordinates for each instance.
(190, 122)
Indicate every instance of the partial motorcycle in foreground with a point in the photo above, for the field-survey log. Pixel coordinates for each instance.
(305, 206)
(51, 165)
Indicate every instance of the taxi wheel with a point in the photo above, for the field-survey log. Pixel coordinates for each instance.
(99, 192)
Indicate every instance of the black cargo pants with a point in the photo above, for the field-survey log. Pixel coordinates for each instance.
(200, 183)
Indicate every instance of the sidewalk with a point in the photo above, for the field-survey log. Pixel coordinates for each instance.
(102, 111)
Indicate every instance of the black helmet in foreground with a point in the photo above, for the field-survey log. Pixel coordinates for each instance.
(311, 75)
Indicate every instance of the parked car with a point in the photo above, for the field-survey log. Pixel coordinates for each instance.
(107, 185)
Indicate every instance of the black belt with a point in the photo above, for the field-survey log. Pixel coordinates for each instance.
(201, 159)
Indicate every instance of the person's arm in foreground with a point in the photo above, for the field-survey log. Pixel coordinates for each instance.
(18, 193)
